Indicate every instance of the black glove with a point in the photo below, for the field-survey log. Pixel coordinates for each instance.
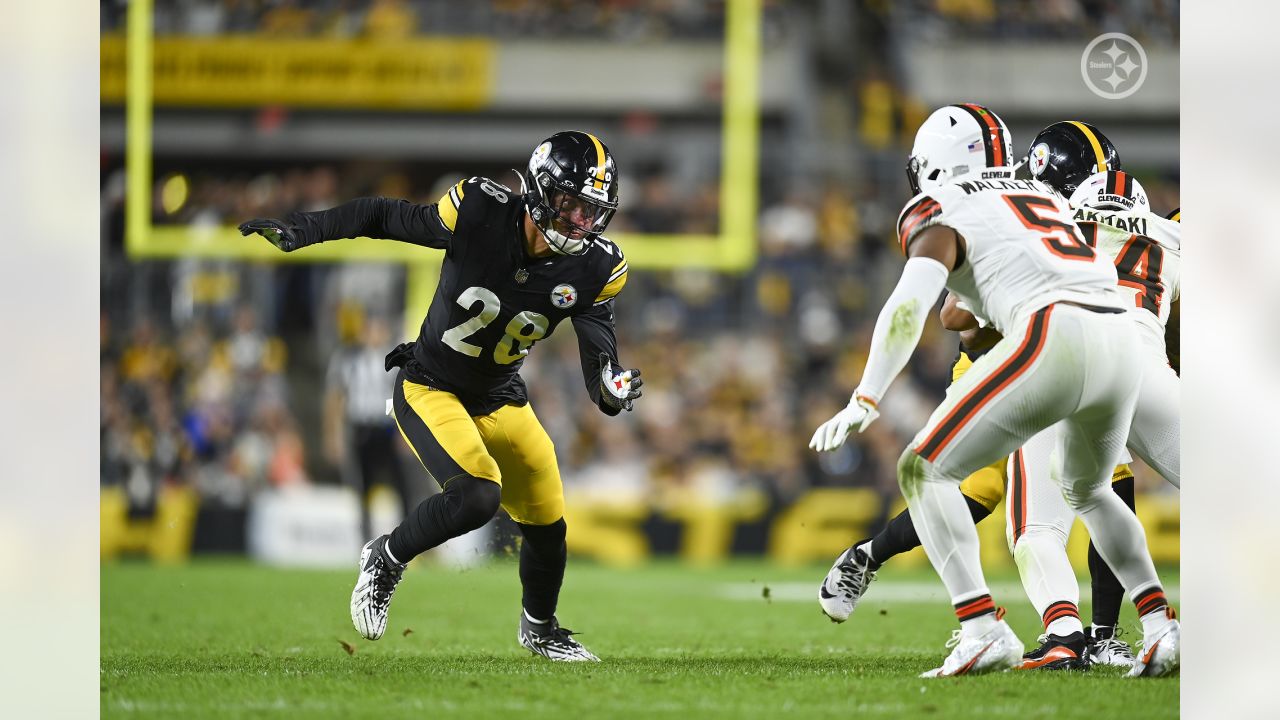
(618, 390)
(277, 233)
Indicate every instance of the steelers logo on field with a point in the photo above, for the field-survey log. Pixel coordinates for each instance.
(564, 296)
(1039, 159)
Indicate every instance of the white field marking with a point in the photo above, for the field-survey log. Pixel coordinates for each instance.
(899, 592)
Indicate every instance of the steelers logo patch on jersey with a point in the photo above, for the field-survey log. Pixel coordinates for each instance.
(1038, 159)
(564, 296)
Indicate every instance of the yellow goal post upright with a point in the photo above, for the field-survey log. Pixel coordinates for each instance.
(732, 250)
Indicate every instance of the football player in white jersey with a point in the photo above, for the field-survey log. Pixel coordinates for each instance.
(1009, 250)
(1113, 214)
(1065, 154)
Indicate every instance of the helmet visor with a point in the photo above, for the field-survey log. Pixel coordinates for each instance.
(577, 217)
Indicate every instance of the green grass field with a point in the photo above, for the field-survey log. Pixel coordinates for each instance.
(225, 638)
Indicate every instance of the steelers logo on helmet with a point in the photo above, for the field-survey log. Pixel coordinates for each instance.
(571, 190)
(1073, 150)
(1038, 160)
(564, 296)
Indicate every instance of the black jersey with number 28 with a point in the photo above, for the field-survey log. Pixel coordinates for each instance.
(493, 302)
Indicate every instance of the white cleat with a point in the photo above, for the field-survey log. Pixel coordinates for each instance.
(1160, 653)
(552, 641)
(845, 584)
(1106, 648)
(371, 598)
(996, 650)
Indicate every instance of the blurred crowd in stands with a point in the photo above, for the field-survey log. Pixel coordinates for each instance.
(640, 20)
(232, 377)
(212, 370)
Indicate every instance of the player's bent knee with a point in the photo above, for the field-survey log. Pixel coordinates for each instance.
(911, 473)
(1081, 498)
(545, 536)
(478, 501)
(1041, 535)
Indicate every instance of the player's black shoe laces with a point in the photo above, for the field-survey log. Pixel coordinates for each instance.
(386, 576)
(560, 636)
(854, 576)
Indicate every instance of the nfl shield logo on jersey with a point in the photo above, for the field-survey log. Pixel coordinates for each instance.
(564, 296)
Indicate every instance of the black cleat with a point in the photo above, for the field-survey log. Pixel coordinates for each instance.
(1058, 652)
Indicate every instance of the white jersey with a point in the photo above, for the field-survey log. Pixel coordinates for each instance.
(1022, 251)
(1147, 252)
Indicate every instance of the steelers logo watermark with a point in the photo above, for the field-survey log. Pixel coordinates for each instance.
(564, 296)
(1113, 66)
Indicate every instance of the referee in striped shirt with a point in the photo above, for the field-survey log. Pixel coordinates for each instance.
(361, 436)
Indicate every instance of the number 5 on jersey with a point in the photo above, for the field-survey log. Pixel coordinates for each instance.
(1063, 239)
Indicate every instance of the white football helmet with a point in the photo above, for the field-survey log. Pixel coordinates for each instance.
(1111, 190)
(954, 141)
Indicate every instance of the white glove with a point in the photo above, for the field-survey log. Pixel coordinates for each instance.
(859, 413)
(620, 389)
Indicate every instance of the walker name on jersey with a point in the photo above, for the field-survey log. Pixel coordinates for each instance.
(1134, 225)
(973, 186)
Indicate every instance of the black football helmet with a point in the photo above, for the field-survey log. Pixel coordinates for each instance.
(1067, 152)
(571, 190)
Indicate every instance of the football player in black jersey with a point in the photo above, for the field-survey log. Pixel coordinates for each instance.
(515, 265)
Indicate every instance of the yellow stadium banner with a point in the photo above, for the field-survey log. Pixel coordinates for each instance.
(249, 70)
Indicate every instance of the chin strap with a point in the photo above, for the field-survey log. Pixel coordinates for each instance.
(557, 248)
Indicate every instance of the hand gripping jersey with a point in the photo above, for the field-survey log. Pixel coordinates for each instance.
(1147, 251)
(493, 301)
(1022, 251)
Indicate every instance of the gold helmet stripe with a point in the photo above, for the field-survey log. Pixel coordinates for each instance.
(600, 161)
(1097, 147)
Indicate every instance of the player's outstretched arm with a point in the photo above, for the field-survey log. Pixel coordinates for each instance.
(896, 333)
(612, 387)
(374, 217)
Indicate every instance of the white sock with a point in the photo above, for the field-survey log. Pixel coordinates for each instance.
(979, 625)
(533, 619)
(1154, 622)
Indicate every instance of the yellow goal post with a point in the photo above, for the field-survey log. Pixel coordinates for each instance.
(733, 249)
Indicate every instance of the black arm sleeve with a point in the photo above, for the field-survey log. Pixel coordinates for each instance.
(375, 217)
(595, 335)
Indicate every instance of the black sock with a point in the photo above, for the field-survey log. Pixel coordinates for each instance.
(465, 504)
(542, 561)
(1108, 593)
(899, 535)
